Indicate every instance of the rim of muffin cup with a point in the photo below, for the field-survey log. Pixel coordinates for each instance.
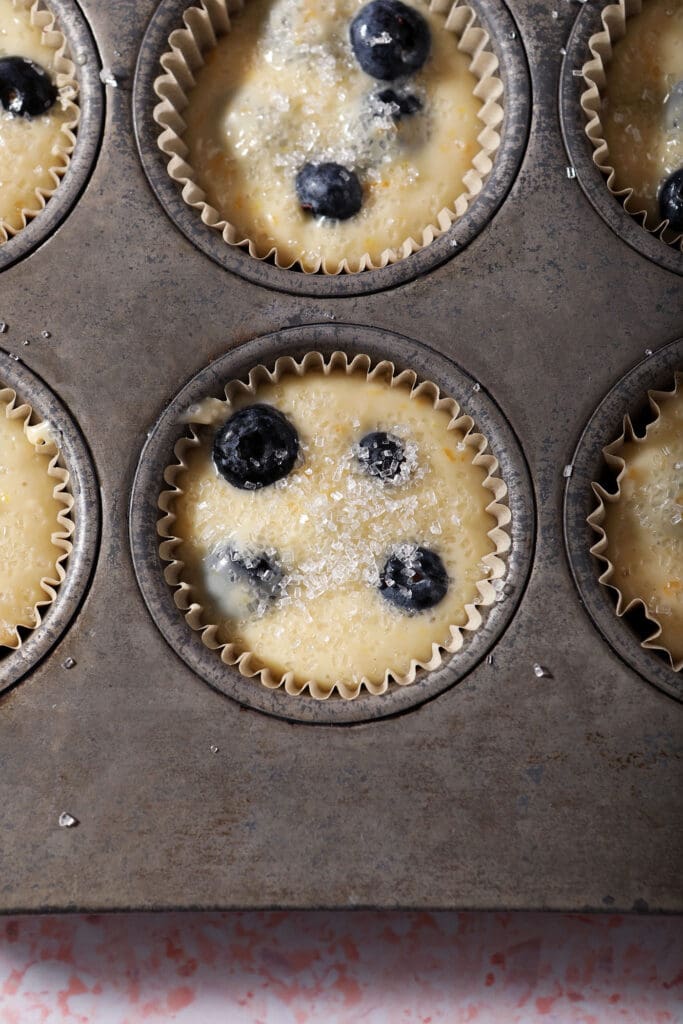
(39, 435)
(617, 467)
(207, 21)
(245, 661)
(43, 18)
(613, 26)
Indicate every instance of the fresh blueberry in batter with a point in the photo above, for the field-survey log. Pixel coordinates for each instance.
(243, 583)
(381, 454)
(398, 105)
(262, 573)
(26, 89)
(256, 447)
(671, 200)
(413, 579)
(390, 40)
(329, 190)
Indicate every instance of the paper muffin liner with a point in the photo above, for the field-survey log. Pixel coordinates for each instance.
(601, 45)
(597, 519)
(40, 436)
(205, 23)
(384, 371)
(65, 80)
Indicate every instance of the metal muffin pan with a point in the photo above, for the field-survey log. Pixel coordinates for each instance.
(296, 341)
(83, 53)
(507, 46)
(14, 665)
(511, 789)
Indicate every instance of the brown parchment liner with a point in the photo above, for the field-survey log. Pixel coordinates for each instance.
(211, 19)
(39, 435)
(245, 661)
(601, 44)
(65, 80)
(597, 518)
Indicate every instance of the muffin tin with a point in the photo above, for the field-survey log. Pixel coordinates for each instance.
(547, 777)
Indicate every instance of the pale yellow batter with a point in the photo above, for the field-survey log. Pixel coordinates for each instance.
(28, 519)
(30, 148)
(330, 526)
(644, 528)
(644, 135)
(283, 88)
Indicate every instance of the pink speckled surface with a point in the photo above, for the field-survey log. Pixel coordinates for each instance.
(339, 968)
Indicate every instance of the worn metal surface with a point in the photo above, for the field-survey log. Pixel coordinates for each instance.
(506, 790)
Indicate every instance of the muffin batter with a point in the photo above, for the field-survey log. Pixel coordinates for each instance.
(643, 110)
(32, 149)
(28, 519)
(329, 526)
(283, 88)
(644, 527)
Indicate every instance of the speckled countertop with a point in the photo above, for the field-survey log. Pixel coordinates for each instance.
(339, 968)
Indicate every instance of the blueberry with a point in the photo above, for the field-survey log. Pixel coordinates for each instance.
(671, 200)
(413, 578)
(381, 454)
(26, 89)
(242, 583)
(389, 39)
(259, 571)
(256, 447)
(399, 105)
(329, 190)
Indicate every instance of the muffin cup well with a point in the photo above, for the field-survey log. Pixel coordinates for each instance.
(217, 410)
(205, 23)
(40, 436)
(615, 461)
(67, 87)
(614, 18)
